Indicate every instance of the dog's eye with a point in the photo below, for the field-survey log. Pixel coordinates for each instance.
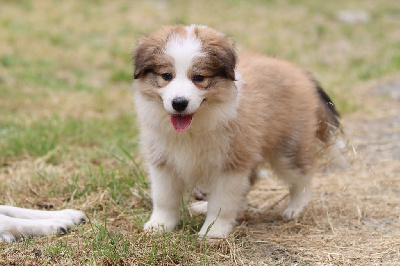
(166, 76)
(198, 78)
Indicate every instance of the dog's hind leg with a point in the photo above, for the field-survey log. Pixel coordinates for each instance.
(300, 187)
(300, 195)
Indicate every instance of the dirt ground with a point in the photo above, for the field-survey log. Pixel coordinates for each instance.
(354, 216)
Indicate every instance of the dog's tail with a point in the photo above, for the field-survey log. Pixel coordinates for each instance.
(327, 115)
(329, 128)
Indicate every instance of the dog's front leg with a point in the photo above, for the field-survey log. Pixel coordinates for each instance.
(227, 199)
(167, 200)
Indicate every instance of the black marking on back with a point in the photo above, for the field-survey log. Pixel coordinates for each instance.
(325, 97)
(329, 103)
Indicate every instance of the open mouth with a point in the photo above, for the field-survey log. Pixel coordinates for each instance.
(181, 122)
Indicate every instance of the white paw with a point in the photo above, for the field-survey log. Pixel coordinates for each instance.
(199, 207)
(22, 228)
(159, 223)
(291, 213)
(300, 195)
(7, 237)
(158, 227)
(37, 223)
(219, 229)
(293, 210)
(63, 221)
(75, 216)
(54, 226)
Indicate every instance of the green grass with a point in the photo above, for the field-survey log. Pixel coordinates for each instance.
(39, 137)
(114, 248)
(68, 132)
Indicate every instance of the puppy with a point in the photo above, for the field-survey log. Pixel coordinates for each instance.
(17, 223)
(207, 119)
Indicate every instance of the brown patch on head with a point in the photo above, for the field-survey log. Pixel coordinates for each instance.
(220, 59)
(149, 56)
(151, 62)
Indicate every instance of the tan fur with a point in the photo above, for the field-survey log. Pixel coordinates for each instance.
(276, 114)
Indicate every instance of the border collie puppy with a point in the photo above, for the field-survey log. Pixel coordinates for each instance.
(208, 118)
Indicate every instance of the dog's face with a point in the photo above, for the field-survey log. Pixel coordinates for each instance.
(188, 68)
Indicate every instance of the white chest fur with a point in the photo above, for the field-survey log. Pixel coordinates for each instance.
(193, 157)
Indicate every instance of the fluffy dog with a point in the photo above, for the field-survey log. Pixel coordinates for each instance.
(207, 119)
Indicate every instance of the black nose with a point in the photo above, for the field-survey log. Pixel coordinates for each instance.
(179, 104)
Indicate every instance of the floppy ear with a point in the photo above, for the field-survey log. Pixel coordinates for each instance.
(223, 49)
(141, 58)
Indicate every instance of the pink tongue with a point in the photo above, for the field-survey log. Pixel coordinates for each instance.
(181, 122)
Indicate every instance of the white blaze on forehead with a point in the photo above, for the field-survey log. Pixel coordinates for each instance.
(183, 49)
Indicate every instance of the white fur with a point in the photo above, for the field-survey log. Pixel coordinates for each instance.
(183, 51)
(227, 199)
(337, 154)
(197, 156)
(166, 194)
(197, 159)
(199, 207)
(239, 82)
(17, 223)
(300, 195)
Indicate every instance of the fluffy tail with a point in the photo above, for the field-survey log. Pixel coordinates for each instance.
(329, 129)
(327, 115)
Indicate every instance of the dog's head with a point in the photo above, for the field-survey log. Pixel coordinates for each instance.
(189, 68)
